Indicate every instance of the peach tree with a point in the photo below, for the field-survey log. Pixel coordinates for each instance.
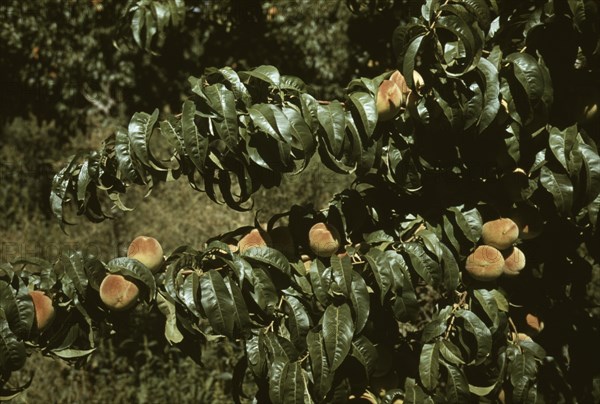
(456, 268)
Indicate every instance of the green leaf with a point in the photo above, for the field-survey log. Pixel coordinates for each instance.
(71, 353)
(217, 303)
(561, 189)
(127, 167)
(257, 355)
(242, 315)
(382, 272)
(488, 303)
(469, 222)
(364, 104)
(264, 291)
(361, 301)
(321, 371)
(522, 370)
(341, 269)
(74, 269)
(139, 132)
(414, 394)
(320, 280)
(483, 336)
(18, 308)
(332, 120)
(266, 73)
(12, 351)
(137, 25)
(591, 164)
(457, 387)
(451, 353)
(298, 321)
(423, 264)
(408, 65)
(288, 383)
(429, 365)
(196, 145)
(451, 271)
(491, 101)
(269, 256)
(365, 352)
(167, 308)
(528, 73)
(338, 329)
(188, 293)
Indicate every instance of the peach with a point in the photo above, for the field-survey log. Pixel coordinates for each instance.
(44, 310)
(148, 251)
(485, 263)
(514, 262)
(389, 100)
(324, 239)
(255, 238)
(118, 293)
(500, 233)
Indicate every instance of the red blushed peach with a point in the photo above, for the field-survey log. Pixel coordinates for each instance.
(514, 262)
(44, 310)
(117, 293)
(389, 101)
(148, 251)
(500, 233)
(255, 238)
(324, 239)
(486, 263)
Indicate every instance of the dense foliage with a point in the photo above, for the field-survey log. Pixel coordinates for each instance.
(494, 129)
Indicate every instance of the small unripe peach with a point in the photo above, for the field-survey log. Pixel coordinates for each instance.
(324, 239)
(390, 100)
(534, 324)
(255, 238)
(117, 293)
(44, 310)
(500, 233)
(485, 263)
(283, 241)
(514, 262)
(148, 251)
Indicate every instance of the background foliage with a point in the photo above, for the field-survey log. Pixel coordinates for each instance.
(495, 98)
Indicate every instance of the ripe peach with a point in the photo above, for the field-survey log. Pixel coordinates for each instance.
(500, 233)
(389, 101)
(44, 310)
(148, 251)
(514, 262)
(255, 238)
(324, 239)
(117, 293)
(485, 263)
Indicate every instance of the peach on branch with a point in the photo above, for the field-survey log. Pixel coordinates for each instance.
(389, 101)
(148, 251)
(44, 310)
(118, 293)
(324, 239)
(514, 262)
(500, 233)
(255, 238)
(486, 263)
